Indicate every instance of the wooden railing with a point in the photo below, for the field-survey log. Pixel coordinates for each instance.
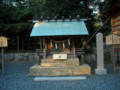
(79, 51)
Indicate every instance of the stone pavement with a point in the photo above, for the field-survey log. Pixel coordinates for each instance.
(16, 78)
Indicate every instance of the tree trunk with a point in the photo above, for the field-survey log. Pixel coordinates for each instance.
(22, 44)
(18, 47)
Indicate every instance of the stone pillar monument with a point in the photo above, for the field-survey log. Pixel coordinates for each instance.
(100, 55)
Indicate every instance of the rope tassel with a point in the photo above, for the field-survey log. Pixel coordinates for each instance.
(63, 45)
(68, 42)
(51, 44)
(56, 46)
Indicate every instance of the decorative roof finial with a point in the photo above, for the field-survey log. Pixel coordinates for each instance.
(41, 18)
(55, 18)
(78, 17)
(48, 18)
(70, 17)
(63, 18)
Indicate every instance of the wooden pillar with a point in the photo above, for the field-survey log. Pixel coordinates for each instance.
(82, 57)
(74, 53)
(3, 63)
(40, 56)
(113, 59)
(40, 43)
(73, 46)
(44, 48)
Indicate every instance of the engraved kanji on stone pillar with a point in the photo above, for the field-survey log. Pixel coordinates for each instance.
(100, 55)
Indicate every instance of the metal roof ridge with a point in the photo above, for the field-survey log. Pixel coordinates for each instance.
(59, 20)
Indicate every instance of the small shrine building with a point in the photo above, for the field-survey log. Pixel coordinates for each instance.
(60, 46)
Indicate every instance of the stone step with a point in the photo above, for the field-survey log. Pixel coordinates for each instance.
(53, 65)
(37, 70)
(61, 61)
(59, 64)
(68, 62)
(49, 60)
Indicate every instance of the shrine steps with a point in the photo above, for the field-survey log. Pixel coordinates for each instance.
(38, 70)
(63, 63)
(67, 67)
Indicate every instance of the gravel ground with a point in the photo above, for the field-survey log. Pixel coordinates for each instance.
(16, 79)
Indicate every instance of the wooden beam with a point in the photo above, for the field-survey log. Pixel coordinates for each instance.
(44, 48)
(3, 62)
(113, 59)
(40, 43)
(40, 56)
(73, 46)
(74, 53)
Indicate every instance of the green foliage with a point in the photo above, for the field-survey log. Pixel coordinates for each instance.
(60, 8)
(5, 14)
(103, 7)
(14, 19)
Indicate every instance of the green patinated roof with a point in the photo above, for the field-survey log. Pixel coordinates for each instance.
(59, 29)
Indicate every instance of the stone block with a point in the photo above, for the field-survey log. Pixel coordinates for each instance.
(100, 71)
(67, 62)
(53, 65)
(67, 67)
(37, 70)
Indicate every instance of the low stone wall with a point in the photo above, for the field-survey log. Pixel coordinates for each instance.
(90, 58)
(21, 57)
(34, 57)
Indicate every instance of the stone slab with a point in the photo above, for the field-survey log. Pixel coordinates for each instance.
(100, 71)
(67, 62)
(53, 65)
(37, 70)
(59, 78)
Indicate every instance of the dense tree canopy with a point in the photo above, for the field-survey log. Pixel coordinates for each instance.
(14, 16)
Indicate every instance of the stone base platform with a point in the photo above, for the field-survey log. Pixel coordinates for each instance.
(73, 62)
(64, 67)
(38, 70)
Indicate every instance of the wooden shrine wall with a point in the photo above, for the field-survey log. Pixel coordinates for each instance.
(115, 22)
